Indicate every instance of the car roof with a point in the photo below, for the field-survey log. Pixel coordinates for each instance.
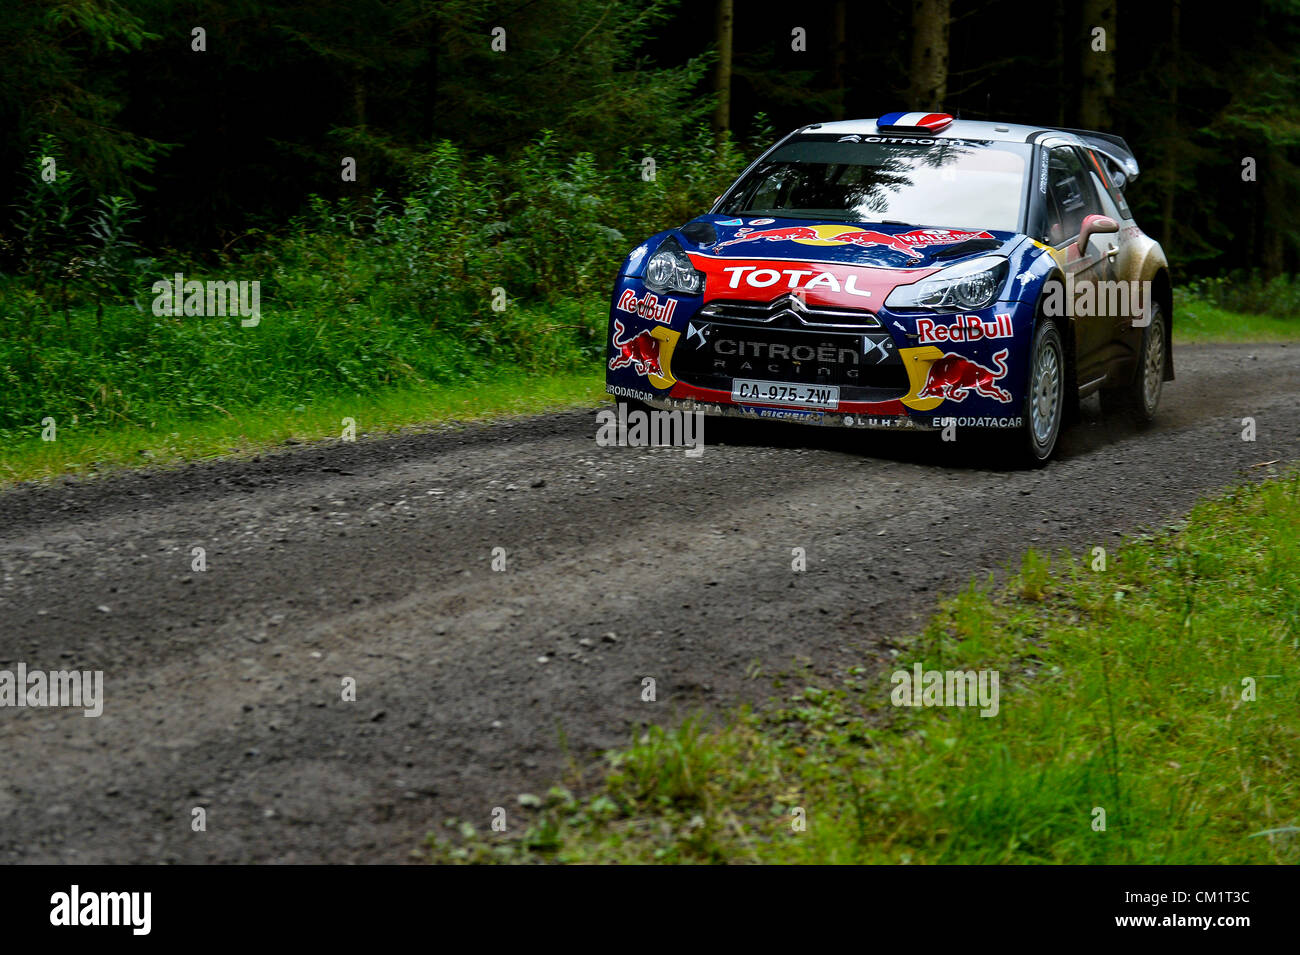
(1109, 145)
(957, 129)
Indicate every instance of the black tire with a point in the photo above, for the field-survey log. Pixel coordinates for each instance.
(1140, 398)
(1045, 403)
(725, 429)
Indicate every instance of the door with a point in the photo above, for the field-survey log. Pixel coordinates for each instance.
(1070, 199)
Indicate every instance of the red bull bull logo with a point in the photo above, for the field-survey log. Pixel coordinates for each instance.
(770, 235)
(954, 377)
(905, 243)
(898, 243)
(640, 351)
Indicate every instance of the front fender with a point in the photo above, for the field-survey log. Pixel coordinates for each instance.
(634, 264)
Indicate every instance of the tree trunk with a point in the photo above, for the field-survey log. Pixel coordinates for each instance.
(930, 22)
(431, 79)
(358, 98)
(839, 56)
(1276, 217)
(1169, 175)
(1058, 57)
(1097, 91)
(722, 75)
(359, 120)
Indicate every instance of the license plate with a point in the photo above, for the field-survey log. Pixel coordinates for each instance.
(780, 393)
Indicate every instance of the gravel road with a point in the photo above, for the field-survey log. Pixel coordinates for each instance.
(372, 561)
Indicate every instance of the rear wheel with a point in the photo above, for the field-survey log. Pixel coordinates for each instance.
(1044, 406)
(1140, 398)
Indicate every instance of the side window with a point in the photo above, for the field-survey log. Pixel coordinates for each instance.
(1105, 171)
(1108, 207)
(1069, 193)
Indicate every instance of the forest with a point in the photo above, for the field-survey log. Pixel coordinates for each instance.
(436, 192)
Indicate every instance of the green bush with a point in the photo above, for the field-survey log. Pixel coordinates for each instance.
(356, 295)
(1250, 293)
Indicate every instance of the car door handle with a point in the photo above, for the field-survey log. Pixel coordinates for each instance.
(1111, 251)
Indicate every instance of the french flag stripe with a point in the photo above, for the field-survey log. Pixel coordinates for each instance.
(929, 121)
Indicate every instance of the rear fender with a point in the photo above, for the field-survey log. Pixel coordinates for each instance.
(1143, 260)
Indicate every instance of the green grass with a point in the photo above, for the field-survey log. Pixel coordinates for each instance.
(95, 450)
(130, 388)
(1198, 321)
(133, 368)
(1121, 690)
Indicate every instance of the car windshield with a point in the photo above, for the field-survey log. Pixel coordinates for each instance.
(942, 183)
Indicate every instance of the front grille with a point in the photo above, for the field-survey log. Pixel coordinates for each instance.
(865, 365)
(789, 311)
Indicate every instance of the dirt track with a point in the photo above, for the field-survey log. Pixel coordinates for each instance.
(373, 561)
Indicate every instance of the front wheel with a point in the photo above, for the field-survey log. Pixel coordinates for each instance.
(1044, 405)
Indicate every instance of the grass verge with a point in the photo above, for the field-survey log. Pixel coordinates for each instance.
(1161, 691)
(1198, 321)
(165, 443)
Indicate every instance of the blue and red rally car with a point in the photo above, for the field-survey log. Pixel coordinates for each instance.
(911, 272)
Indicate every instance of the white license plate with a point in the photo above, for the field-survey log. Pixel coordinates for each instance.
(780, 393)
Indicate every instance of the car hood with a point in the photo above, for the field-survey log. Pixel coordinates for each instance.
(840, 243)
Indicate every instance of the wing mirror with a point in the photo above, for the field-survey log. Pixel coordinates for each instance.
(1094, 225)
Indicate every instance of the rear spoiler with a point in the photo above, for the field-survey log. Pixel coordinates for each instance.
(1112, 147)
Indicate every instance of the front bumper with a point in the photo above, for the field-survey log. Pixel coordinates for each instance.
(891, 371)
(898, 422)
(829, 419)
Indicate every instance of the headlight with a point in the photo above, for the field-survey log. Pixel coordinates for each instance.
(669, 270)
(970, 285)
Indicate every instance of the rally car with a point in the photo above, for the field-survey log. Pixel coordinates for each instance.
(908, 272)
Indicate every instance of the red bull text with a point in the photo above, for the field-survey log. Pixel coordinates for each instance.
(964, 328)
